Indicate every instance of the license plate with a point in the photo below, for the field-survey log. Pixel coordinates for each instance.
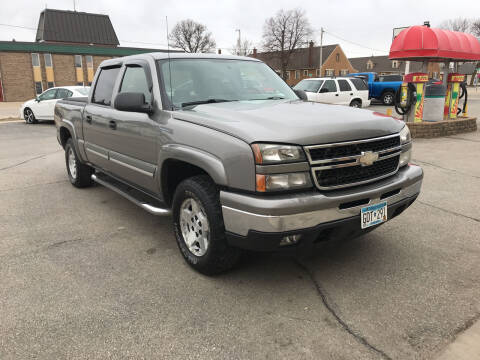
(373, 214)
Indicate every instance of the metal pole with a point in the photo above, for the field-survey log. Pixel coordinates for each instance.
(239, 44)
(321, 50)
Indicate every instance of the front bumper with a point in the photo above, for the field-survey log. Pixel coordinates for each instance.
(248, 217)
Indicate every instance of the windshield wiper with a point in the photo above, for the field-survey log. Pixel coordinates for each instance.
(209, 101)
(271, 98)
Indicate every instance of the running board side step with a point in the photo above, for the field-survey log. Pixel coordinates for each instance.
(146, 202)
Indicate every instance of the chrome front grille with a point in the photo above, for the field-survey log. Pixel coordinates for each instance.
(346, 164)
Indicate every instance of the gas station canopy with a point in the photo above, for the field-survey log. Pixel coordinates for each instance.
(422, 43)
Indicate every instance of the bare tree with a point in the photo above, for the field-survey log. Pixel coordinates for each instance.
(284, 33)
(192, 37)
(475, 27)
(458, 24)
(244, 48)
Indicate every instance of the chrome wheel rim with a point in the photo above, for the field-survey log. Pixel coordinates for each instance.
(29, 116)
(388, 99)
(194, 226)
(72, 163)
(356, 105)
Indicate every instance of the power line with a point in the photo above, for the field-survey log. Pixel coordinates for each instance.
(352, 42)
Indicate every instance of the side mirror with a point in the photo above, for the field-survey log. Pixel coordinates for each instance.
(37, 99)
(132, 102)
(324, 90)
(301, 94)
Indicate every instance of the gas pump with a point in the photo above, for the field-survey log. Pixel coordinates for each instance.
(450, 110)
(410, 96)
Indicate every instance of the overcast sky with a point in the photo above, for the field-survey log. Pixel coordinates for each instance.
(368, 23)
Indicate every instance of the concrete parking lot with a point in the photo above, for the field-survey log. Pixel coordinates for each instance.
(86, 274)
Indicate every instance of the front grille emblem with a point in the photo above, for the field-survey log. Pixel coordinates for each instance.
(368, 158)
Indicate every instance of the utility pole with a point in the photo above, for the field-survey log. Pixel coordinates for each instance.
(239, 43)
(321, 50)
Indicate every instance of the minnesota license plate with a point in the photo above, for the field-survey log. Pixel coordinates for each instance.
(373, 214)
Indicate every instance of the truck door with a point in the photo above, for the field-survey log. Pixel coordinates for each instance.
(133, 148)
(329, 92)
(97, 117)
(346, 92)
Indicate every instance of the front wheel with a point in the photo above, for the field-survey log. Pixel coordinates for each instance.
(388, 97)
(199, 228)
(80, 175)
(29, 116)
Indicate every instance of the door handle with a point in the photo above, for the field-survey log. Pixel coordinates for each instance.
(336, 94)
(351, 94)
(112, 125)
(89, 118)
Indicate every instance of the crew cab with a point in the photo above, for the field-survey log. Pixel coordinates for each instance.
(341, 91)
(381, 90)
(234, 155)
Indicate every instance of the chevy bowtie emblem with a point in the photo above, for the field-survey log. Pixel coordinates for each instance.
(368, 158)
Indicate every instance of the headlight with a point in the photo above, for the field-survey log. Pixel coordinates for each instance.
(273, 153)
(276, 182)
(405, 136)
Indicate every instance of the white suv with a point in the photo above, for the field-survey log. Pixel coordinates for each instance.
(341, 90)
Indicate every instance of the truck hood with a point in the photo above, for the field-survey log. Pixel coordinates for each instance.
(294, 122)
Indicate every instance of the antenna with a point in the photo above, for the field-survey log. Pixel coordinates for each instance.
(169, 67)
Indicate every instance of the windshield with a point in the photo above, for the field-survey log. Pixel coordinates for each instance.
(309, 85)
(83, 91)
(215, 80)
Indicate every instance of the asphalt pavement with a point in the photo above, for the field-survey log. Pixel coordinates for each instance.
(85, 274)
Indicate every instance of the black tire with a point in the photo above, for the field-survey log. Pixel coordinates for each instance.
(82, 176)
(219, 256)
(29, 116)
(388, 98)
(356, 103)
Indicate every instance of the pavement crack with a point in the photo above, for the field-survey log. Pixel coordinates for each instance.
(444, 168)
(28, 160)
(321, 292)
(449, 211)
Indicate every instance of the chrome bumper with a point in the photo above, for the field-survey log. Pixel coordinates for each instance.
(282, 213)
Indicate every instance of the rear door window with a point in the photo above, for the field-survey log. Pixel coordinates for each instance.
(344, 85)
(135, 80)
(48, 95)
(63, 93)
(359, 84)
(329, 86)
(309, 85)
(104, 86)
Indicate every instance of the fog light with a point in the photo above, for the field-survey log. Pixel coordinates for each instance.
(405, 157)
(290, 240)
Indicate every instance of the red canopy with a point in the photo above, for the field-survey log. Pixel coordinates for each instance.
(424, 43)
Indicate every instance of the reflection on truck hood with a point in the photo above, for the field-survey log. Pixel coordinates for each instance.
(295, 122)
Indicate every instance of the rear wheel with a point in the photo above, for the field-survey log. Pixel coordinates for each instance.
(199, 228)
(29, 116)
(388, 97)
(356, 103)
(80, 175)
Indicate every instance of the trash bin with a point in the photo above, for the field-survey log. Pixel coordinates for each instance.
(434, 102)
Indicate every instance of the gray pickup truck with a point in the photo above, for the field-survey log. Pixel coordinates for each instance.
(235, 155)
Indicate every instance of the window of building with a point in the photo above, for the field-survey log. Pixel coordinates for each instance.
(104, 87)
(369, 65)
(395, 64)
(305, 72)
(329, 86)
(344, 85)
(89, 60)
(318, 72)
(50, 84)
(337, 57)
(297, 74)
(329, 72)
(48, 60)
(35, 60)
(135, 80)
(288, 74)
(344, 72)
(38, 87)
(78, 61)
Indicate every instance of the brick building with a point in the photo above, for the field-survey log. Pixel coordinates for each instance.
(305, 62)
(382, 65)
(68, 48)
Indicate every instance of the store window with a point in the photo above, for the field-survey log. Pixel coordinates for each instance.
(305, 72)
(35, 60)
(297, 74)
(48, 60)
(78, 61)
